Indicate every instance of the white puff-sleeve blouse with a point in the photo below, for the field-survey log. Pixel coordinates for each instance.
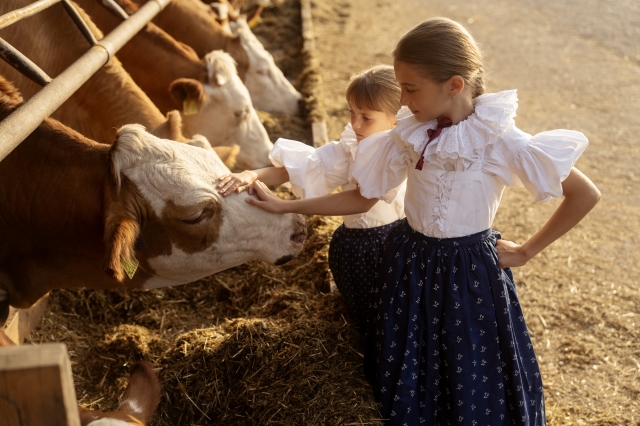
(314, 172)
(467, 167)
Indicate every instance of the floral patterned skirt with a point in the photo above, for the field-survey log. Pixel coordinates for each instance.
(353, 256)
(447, 343)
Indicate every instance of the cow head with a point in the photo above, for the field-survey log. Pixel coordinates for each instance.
(270, 90)
(164, 211)
(221, 110)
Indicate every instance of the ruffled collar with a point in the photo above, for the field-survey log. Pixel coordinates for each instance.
(494, 113)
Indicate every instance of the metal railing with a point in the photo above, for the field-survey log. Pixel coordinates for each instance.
(27, 117)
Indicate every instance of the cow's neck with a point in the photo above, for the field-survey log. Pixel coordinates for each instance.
(107, 101)
(51, 214)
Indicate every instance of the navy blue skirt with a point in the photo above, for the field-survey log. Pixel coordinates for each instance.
(353, 256)
(447, 343)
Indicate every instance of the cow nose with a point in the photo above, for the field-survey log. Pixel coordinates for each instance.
(299, 234)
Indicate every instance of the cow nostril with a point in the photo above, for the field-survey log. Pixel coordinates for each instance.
(299, 237)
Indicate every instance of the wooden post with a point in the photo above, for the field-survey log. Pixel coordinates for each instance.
(36, 386)
(21, 322)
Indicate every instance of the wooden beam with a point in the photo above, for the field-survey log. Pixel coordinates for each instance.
(21, 322)
(36, 386)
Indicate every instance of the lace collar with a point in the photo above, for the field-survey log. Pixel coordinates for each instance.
(494, 113)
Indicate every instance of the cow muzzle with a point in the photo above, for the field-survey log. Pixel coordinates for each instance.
(299, 234)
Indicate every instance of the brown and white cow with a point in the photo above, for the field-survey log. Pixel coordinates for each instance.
(194, 23)
(139, 401)
(142, 213)
(109, 99)
(236, 122)
(213, 100)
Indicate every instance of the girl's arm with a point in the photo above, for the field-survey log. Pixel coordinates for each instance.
(238, 182)
(340, 204)
(580, 196)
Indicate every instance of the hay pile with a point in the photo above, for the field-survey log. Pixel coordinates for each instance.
(256, 344)
(255, 371)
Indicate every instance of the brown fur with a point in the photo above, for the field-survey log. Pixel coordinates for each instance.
(143, 390)
(194, 23)
(152, 57)
(171, 129)
(186, 89)
(106, 101)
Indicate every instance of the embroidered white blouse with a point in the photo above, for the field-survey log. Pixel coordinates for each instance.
(314, 172)
(467, 167)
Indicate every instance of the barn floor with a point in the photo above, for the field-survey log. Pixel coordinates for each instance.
(260, 344)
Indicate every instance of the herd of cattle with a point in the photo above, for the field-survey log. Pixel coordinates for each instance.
(116, 189)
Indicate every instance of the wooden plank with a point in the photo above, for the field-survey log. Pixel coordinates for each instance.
(36, 386)
(21, 322)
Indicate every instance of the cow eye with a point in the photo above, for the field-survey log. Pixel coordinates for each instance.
(207, 213)
(264, 72)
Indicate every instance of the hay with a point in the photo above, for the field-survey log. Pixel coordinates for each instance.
(256, 371)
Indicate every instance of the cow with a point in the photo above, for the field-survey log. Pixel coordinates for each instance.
(141, 213)
(139, 401)
(224, 126)
(109, 99)
(194, 23)
(213, 99)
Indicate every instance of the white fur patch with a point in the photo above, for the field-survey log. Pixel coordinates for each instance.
(166, 170)
(269, 88)
(106, 421)
(220, 67)
(133, 404)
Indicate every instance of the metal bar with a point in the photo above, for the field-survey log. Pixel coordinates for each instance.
(26, 118)
(17, 60)
(115, 8)
(77, 19)
(19, 14)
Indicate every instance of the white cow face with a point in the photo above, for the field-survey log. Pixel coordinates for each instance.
(269, 88)
(221, 110)
(186, 229)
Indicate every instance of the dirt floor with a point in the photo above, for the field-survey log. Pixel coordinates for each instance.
(270, 345)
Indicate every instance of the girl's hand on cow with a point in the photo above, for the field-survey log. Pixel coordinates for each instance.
(267, 200)
(236, 182)
(510, 254)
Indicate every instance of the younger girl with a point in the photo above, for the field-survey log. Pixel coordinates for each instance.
(374, 99)
(450, 345)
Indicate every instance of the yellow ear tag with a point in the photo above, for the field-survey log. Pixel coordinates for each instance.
(189, 107)
(130, 266)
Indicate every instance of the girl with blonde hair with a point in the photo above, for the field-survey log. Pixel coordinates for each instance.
(374, 100)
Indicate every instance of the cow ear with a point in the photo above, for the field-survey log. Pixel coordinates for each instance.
(239, 54)
(228, 154)
(171, 129)
(121, 232)
(188, 94)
